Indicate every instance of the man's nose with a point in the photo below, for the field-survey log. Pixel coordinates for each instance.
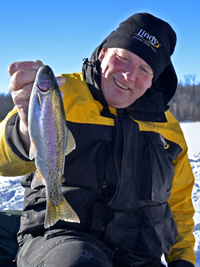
(130, 73)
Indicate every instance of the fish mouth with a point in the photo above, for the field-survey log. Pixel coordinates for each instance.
(45, 89)
(42, 89)
(121, 85)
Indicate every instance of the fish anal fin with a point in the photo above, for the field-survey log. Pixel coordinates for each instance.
(32, 150)
(38, 179)
(63, 179)
(71, 145)
(63, 211)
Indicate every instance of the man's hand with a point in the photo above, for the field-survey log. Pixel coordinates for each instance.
(21, 83)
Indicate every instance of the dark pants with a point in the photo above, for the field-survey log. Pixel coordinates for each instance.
(12, 264)
(69, 251)
(63, 251)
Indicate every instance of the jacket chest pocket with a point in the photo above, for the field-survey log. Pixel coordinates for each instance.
(84, 167)
(162, 153)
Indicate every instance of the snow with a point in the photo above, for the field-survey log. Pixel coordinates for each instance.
(192, 133)
(11, 191)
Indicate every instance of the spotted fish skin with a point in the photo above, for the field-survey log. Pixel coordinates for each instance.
(50, 142)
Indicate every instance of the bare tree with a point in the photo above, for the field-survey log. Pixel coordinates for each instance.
(190, 78)
(193, 78)
(185, 105)
(187, 79)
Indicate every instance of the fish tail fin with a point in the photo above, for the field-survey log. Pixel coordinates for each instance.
(63, 211)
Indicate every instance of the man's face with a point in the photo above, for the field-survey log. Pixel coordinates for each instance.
(124, 76)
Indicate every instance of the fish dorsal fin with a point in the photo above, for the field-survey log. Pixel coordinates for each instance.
(32, 150)
(71, 145)
(38, 179)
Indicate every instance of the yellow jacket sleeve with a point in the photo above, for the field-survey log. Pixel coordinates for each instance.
(182, 209)
(10, 163)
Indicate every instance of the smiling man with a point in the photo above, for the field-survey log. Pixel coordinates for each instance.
(124, 76)
(129, 179)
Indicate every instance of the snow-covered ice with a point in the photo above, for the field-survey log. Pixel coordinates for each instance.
(192, 133)
(11, 191)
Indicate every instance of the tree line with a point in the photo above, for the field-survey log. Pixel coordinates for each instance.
(6, 104)
(185, 105)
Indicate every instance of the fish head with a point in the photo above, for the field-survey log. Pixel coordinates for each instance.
(44, 92)
(45, 79)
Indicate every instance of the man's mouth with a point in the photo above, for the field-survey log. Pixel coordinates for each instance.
(120, 85)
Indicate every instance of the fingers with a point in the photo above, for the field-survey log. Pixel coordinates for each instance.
(21, 82)
(24, 65)
(60, 80)
(21, 78)
(39, 62)
(22, 94)
(22, 73)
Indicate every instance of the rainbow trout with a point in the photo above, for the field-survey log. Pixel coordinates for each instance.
(50, 142)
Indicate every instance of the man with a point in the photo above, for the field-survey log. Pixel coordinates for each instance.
(129, 178)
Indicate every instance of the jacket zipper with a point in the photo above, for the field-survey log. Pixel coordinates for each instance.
(104, 185)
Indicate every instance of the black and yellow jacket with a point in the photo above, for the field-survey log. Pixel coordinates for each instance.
(129, 178)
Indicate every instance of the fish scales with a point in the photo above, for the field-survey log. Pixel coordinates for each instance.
(50, 142)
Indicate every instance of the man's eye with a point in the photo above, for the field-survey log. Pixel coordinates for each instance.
(144, 70)
(124, 58)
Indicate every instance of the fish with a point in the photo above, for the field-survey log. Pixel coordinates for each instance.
(50, 142)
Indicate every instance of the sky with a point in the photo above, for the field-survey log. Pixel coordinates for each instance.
(61, 33)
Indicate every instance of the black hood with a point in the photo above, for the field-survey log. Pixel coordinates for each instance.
(149, 107)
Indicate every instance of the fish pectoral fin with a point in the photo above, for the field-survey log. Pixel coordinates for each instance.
(71, 144)
(39, 99)
(62, 94)
(38, 179)
(32, 150)
(63, 211)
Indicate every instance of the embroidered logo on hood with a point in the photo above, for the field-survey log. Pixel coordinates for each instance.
(148, 38)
